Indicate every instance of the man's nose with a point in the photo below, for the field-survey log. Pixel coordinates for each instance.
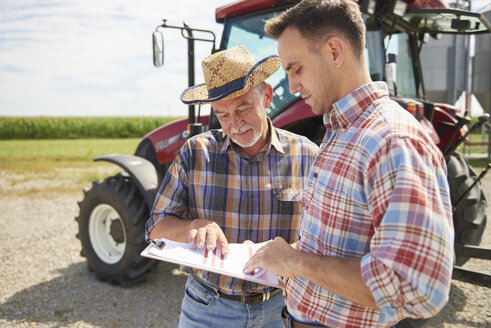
(236, 121)
(294, 85)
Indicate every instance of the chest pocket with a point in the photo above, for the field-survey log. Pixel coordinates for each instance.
(288, 203)
(288, 194)
(340, 219)
(287, 191)
(287, 206)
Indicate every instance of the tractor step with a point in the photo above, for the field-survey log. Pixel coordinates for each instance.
(473, 277)
(473, 251)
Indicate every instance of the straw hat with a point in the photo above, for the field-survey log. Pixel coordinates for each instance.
(229, 74)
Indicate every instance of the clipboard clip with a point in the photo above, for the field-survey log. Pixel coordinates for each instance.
(160, 244)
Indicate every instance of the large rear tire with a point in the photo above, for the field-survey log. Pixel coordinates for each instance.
(469, 217)
(111, 229)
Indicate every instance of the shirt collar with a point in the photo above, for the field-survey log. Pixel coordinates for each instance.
(273, 141)
(345, 111)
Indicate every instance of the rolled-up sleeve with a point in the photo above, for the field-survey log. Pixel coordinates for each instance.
(409, 266)
(172, 198)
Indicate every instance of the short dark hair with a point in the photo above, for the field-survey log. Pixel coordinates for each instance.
(316, 20)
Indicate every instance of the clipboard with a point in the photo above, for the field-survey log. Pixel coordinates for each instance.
(202, 259)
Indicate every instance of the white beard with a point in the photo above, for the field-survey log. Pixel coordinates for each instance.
(255, 137)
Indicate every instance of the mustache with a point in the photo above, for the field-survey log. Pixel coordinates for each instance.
(242, 129)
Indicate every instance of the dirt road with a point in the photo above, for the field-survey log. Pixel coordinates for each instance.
(44, 282)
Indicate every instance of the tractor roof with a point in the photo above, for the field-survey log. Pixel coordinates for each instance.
(243, 7)
(239, 8)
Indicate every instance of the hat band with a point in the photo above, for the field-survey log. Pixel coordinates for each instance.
(228, 87)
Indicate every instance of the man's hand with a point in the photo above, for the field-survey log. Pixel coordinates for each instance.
(340, 276)
(206, 232)
(276, 256)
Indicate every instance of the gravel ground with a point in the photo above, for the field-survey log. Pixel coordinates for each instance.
(44, 282)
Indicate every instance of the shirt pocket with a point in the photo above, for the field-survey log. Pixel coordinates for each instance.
(288, 207)
(339, 217)
(288, 194)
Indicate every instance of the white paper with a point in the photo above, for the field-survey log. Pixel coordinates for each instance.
(231, 264)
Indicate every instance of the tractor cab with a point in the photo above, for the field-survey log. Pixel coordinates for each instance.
(395, 34)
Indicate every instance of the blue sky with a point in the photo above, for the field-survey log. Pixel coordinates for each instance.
(90, 58)
(94, 58)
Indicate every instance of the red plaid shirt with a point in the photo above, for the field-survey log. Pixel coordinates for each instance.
(377, 192)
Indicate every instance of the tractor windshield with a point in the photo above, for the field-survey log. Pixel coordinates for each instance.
(249, 32)
(400, 74)
(390, 58)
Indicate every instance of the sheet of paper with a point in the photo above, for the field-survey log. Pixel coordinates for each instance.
(200, 258)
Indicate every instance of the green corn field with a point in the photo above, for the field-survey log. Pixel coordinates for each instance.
(78, 127)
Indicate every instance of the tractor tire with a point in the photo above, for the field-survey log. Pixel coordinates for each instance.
(469, 217)
(111, 230)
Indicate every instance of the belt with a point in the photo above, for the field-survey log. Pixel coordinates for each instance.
(290, 322)
(250, 299)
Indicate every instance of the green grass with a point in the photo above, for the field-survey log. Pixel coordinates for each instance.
(31, 161)
(64, 149)
(475, 137)
(78, 127)
(40, 155)
(474, 149)
(68, 166)
(479, 163)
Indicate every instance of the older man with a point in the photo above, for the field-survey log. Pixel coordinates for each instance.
(376, 241)
(241, 183)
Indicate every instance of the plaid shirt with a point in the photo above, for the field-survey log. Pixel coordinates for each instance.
(377, 192)
(250, 198)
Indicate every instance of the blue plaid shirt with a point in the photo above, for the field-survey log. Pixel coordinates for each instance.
(251, 198)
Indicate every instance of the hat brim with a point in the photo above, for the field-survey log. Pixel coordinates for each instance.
(199, 94)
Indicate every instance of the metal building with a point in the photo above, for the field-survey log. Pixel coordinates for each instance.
(449, 69)
(481, 73)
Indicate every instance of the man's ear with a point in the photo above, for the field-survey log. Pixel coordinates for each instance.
(335, 49)
(268, 96)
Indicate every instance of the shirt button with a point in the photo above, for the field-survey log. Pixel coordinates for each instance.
(315, 175)
(252, 195)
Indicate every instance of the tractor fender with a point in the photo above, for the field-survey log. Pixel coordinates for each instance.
(141, 171)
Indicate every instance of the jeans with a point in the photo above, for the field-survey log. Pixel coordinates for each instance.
(201, 308)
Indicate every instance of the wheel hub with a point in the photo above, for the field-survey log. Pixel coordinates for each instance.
(107, 234)
(116, 230)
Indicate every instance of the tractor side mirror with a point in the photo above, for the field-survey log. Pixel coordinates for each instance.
(158, 48)
(460, 24)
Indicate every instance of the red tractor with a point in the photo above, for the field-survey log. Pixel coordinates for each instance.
(114, 211)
